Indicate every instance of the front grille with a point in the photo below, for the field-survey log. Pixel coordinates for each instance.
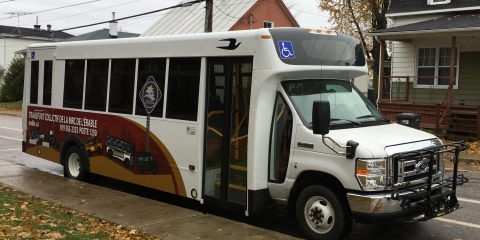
(414, 166)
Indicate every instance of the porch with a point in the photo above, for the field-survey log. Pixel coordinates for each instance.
(427, 80)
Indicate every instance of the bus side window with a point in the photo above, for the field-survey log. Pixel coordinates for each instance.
(183, 88)
(34, 82)
(47, 82)
(280, 140)
(96, 86)
(151, 67)
(73, 87)
(122, 81)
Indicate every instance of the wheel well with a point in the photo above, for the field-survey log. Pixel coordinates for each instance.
(309, 178)
(73, 140)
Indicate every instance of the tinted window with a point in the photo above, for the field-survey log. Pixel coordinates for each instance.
(73, 86)
(97, 79)
(34, 82)
(121, 86)
(47, 82)
(183, 87)
(317, 49)
(154, 67)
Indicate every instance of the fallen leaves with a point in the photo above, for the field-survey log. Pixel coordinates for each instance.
(23, 216)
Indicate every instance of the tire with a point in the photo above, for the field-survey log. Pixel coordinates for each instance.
(141, 170)
(110, 153)
(89, 153)
(126, 161)
(74, 166)
(321, 214)
(154, 170)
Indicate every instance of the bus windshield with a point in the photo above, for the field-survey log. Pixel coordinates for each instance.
(347, 104)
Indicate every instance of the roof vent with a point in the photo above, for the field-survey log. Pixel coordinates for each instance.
(49, 27)
(36, 26)
(113, 32)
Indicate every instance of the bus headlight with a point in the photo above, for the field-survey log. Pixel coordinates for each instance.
(372, 174)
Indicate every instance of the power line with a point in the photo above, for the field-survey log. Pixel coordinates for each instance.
(55, 8)
(119, 19)
(85, 12)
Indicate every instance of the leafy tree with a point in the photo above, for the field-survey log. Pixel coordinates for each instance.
(12, 87)
(356, 18)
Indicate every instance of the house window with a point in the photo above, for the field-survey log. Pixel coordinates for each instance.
(267, 24)
(435, 62)
(434, 2)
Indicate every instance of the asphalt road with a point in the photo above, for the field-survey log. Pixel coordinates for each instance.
(462, 224)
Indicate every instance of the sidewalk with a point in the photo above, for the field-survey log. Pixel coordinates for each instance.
(159, 219)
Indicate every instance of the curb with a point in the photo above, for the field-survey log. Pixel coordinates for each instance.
(11, 114)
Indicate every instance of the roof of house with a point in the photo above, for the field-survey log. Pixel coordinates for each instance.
(407, 7)
(453, 24)
(191, 19)
(99, 34)
(30, 32)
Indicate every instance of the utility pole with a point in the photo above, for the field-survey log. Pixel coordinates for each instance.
(208, 15)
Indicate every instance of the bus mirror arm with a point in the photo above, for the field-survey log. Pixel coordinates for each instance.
(350, 149)
(321, 125)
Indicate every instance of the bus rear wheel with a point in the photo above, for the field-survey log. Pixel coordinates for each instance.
(321, 214)
(74, 166)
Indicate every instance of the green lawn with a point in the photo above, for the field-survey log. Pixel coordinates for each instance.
(11, 106)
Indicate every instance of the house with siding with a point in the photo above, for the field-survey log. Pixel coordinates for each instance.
(13, 39)
(425, 78)
(228, 15)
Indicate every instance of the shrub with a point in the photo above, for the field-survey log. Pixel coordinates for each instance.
(12, 87)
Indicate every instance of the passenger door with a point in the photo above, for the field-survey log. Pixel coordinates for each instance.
(226, 138)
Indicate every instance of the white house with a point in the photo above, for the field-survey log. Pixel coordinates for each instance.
(13, 39)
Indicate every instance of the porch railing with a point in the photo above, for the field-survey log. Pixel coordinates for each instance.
(436, 105)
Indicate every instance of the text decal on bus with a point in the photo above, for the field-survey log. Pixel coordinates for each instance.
(286, 50)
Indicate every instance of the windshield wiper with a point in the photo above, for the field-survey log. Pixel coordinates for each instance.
(366, 116)
(371, 116)
(341, 119)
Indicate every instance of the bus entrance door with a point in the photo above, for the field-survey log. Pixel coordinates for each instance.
(227, 111)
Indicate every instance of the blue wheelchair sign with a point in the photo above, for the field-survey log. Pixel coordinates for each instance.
(150, 94)
(286, 50)
(33, 55)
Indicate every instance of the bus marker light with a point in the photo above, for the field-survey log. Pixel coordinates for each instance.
(194, 193)
(191, 167)
(266, 37)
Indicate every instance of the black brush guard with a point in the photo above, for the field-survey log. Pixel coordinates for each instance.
(436, 201)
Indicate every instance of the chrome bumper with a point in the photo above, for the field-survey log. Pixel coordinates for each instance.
(369, 203)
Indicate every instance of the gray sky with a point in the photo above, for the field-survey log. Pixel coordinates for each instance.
(92, 11)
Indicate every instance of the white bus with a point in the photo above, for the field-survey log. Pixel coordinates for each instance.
(242, 124)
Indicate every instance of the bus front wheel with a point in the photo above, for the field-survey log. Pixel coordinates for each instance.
(74, 166)
(321, 214)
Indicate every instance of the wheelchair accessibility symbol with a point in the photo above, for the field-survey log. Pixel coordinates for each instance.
(286, 50)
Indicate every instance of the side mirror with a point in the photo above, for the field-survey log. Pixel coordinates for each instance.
(321, 117)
